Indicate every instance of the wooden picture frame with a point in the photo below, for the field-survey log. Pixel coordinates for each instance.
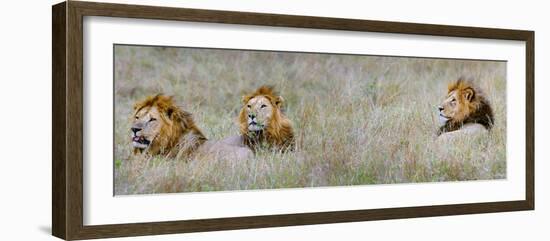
(67, 150)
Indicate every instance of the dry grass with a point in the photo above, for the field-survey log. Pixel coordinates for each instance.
(358, 119)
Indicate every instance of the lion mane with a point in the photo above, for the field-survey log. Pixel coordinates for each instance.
(278, 131)
(472, 107)
(176, 133)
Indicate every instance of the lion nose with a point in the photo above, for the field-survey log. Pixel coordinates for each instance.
(135, 130)
(440, 108)
(251, 116)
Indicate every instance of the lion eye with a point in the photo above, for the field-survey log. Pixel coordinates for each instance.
(263, 106)
(152, 119)
(249, 106)
(137, 117)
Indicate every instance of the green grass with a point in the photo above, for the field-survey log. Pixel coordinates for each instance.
(357, 119)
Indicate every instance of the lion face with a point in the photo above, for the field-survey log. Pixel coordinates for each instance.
(457, 105)
(463, 105)
(145, 127)
(159, 126)
(262, 121)
(258, 111)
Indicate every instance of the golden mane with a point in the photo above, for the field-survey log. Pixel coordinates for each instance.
(178, 133)
(278, 132)
(473, 106)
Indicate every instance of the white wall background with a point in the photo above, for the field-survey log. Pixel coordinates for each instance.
(25, 143)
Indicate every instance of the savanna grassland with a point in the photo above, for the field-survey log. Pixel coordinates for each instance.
(357, 119)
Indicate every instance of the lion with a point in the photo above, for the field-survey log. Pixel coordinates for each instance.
(262, 123)
(465, 110)
(160, 127)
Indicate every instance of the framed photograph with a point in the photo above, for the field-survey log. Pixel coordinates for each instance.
(170, 120)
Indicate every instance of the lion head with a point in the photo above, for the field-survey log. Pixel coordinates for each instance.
(158, 126)
(262, 121)
(464, 104)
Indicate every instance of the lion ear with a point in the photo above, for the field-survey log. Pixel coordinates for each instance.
(469, 93)
(245, 98)
(279, 101)
(170, 112)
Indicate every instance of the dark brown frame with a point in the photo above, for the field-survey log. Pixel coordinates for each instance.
(67, 121)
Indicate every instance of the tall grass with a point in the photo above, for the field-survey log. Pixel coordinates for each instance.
(357, 119)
